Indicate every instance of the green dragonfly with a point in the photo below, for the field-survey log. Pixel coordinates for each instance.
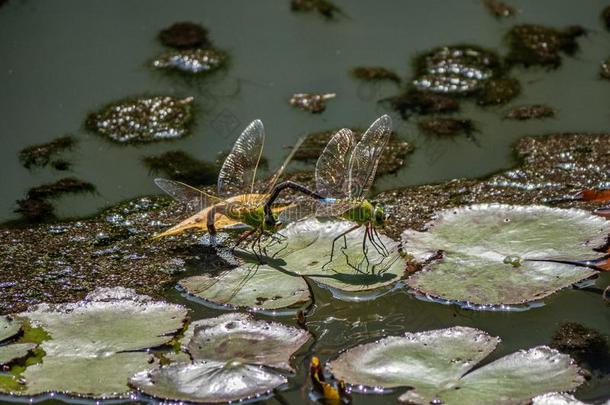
(344, 174)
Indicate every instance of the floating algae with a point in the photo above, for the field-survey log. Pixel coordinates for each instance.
(528, 112)
(446, 126)
(374, 73)
(191, 60)
(43, 154)
(185, 35)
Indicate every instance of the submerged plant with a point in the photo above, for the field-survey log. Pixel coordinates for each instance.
(604, 70)
(43, 154)
(499, 8)
(323, 7)
(437, 367)
(185, 35)
(446, 126)
(144, 119)
(374, 73)
(493, 254)
(528, 112)
(312, 102)
(194, 61)
(180, 166)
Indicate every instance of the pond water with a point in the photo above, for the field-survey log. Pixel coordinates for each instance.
(64, 59)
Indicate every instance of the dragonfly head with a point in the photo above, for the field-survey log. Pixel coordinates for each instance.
(379, 214)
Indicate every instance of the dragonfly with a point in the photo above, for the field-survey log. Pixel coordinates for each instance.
(238, 202)
(344, 174)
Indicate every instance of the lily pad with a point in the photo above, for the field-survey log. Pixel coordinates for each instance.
(96, 377)
(240, 337)
(107, 321)
(303, 250)
(555, 398)
(96, 344)
(495, 254)
(15, 351)
(9, 327)
(436, 365)
(208, 382)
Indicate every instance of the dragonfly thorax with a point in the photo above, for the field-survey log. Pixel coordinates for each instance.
(251, 215)
(365, 212)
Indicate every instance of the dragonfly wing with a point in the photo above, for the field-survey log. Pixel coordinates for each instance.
(365, 157)
(238, 171)
(194, 199)
(334, 209)
(333, 164)
(273, 181)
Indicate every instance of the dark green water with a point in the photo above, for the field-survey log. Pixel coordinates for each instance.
(61, 59)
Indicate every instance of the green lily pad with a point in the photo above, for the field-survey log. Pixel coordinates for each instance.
(488, 252)
(15, 351)
(208, 382)
(9, 327)
(241, 337)
(105, 322)
(436, 365)
(251, 286)
(94, 377)
(96, 344)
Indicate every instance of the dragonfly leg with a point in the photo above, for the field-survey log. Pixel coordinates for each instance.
(378, 247)
(365, 249)
(343, 235)
(253, 248)
(387, 252)
(242, 238)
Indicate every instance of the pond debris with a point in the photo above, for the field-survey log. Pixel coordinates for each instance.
(527, 112)
(604, 70)
(437, 367)
(43, 154)
(312, 102)
(532, 45)
(444, 126)
(322, 7)
(587, 346)
(325, 392)
(392, 157)
(606, 17)
(374, 73)
(191, 60)
(602, 195)
(66, 260)
(421, 102)
(36, 207)
(185, 35)
(181, 166)
(144, 119)
(498, 91)
(499, 9)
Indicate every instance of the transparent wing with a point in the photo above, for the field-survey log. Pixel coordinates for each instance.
(273, 181)
(238, 171)
(295, 211)
(194, 199)
(333, 163)
(334, 209)
(365, 157)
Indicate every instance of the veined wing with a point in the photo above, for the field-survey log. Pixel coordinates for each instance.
(333, 164)
(334, 209)
(238, 171)
(365, 157)
(273, 181)
(194, 199)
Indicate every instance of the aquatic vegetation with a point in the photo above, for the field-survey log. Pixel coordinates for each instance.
(606, 16)
(144, 119)
(44, 154)
(527, 112)
(443, 126)
(604, 70)
(323, 7)
(437, 365)
(422, 102)
(499, 9)
(241, 337)
(9, 327)
(180, 166)
(302, 252)
(392, 157)
(532, 45)
(374, 73)
(97, 342)
(185, 35)
(226, 381)
(193, 61)
(498, 91)
(314, 103)
(587, 346)
(509, 256)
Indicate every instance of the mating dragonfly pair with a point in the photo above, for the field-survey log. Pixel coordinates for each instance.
(344, 173)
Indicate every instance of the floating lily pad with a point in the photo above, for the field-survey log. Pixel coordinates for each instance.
(92, 344)
(436, 365)
(143, 119)
(9, 327)
(250, 285)
(96, 377)
(241, 337)
(15, 351)
(487, 252)
(105, 322)
(208, 382)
